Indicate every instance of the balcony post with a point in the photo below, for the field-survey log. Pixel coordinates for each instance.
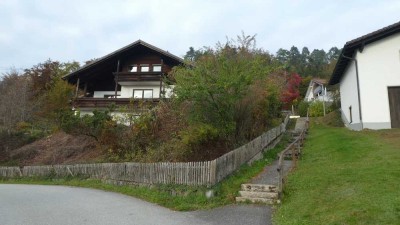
(161, 77)
(116, 81)
(77, 88)
(85, 90)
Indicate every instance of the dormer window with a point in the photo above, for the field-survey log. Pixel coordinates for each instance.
(144, 68)
(157, 68)
(133, 68)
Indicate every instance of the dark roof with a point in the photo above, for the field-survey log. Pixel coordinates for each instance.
(319, 81)
(120, 51)
(351, 46)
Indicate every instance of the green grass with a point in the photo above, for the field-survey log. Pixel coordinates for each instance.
(177, 197)
(344, 177)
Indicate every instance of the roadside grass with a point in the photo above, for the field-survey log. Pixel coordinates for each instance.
(176, 197)
(344, 177)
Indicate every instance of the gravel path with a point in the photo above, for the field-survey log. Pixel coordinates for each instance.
(270, 175)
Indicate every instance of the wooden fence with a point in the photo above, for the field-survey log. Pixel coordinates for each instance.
(294, 149)
(188, 173)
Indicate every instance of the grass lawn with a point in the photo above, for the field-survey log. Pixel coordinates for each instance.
(344, 177)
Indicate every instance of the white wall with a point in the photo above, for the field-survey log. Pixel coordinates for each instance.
(127, 90)
(379, 68)
(349, 96)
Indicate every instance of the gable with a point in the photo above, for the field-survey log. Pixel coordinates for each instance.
(139, 52)
(350, 48)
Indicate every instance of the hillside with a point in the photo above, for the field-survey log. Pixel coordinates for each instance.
(58, 148)
(344, 177)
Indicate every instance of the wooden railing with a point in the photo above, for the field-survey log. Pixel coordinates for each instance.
(295, 152)
(88, 102)
(138, 76)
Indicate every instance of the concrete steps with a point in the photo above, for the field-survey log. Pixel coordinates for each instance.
(258, 193)
(256, 200)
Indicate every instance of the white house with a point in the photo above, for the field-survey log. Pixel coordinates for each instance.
(368, 71)
(317, 91)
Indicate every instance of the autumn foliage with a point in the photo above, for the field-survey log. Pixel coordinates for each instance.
(291, 92)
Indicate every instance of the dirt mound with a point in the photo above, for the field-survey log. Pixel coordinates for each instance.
(59, 148)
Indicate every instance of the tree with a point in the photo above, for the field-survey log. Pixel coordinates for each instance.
(193, 55)
(295, 58)
(219, 81)
(15, 106)
(50, 95)
(291, 93)
(318, 63)
(318, 60)
(44, 74)
(282, 55)
(333, 54)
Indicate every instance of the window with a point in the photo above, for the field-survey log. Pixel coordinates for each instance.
(156, 68)
(133, 68)
(144, 68)
(142, 93)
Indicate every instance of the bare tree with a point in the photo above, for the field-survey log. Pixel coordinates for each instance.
(15, 105)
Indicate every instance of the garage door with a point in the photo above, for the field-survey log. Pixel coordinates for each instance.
(394, 103)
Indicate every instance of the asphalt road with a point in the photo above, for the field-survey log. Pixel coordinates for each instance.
(42, 205)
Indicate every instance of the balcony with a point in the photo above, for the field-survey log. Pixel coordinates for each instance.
(138, 76)
(102, 103)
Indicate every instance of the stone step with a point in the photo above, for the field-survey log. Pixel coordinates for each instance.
(256, 200)
(259, 188)
(254, 194)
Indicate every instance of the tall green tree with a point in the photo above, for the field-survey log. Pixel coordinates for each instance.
(219, 81)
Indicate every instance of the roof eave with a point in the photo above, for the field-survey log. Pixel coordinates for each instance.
(360, 42)
(114, 53)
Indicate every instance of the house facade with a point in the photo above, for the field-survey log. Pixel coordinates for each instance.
(317, 91)
(368, 71)
(133, 75)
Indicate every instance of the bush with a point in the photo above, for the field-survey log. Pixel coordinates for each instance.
(90, 125)
(316, 109)
(303, 108)
(199, 134)
(10, 141)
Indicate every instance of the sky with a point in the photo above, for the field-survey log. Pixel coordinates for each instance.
(32, 31)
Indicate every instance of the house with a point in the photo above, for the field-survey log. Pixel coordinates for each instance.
(317, 91)
(368, 71)
(132, 75)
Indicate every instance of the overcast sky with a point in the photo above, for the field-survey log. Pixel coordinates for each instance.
(32, 31)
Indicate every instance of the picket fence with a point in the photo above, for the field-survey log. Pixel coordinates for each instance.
(188, 173)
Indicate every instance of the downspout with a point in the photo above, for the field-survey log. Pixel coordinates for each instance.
(358, 89)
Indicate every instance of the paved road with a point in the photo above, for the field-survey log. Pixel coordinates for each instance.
(42, 205)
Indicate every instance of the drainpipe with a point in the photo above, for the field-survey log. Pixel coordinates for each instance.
(358, 89)
(323, 99)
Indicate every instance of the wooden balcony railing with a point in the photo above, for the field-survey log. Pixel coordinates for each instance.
(107, 102)
(138, 76)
